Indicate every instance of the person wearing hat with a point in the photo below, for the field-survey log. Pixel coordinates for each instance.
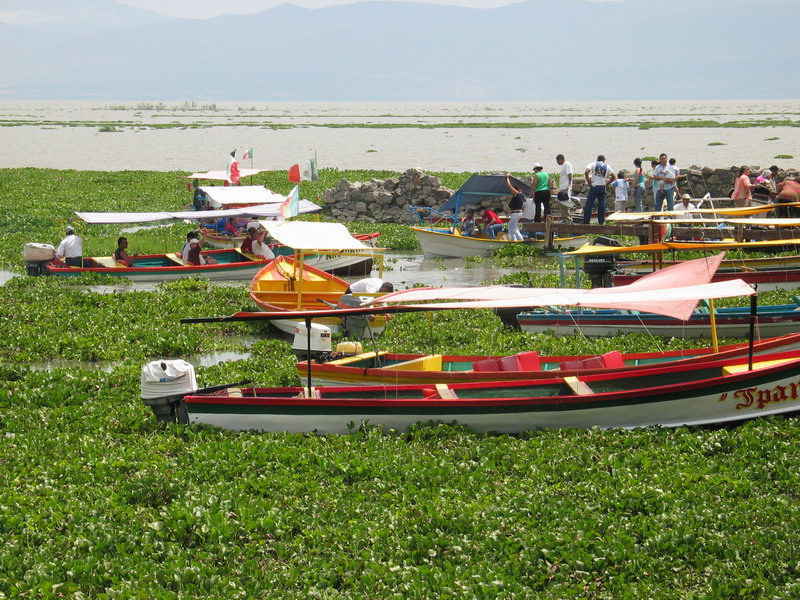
(686, 205)
(598, 175)
(541, 192)
(194, 255)
(191, 250)
(70, 249)
(766, 183)
(468, 225)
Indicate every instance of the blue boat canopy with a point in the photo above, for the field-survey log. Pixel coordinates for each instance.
(483, 187)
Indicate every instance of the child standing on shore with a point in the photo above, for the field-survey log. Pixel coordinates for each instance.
(622, 188)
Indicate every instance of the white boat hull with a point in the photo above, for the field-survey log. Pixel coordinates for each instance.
(448, 245)
(722, 400)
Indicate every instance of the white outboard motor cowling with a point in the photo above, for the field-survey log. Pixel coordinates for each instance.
(164, 383)
(36, 255)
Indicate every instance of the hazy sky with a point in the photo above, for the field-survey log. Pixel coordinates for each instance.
(204, 9)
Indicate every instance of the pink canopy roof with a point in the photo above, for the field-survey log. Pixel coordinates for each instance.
(673, 292)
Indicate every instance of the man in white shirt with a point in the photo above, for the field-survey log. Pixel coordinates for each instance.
(564, 185)
(666, 175)
(598, 175)
(70, 249)
(261, 247)
(370, 285)
(686, 205)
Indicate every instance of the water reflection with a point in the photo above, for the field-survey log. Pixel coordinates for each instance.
(208, 359)
(6, 276)
(408, 270)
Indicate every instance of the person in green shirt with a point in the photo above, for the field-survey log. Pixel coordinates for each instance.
(541, 192)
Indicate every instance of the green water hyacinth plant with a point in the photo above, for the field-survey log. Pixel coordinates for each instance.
(98, 501)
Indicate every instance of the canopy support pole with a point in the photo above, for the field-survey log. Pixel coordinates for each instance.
(753, 313)
(714, 338)
(308, 352)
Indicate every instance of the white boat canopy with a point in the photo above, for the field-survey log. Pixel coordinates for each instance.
(261, 211)
(223, 175)
(723, 212)
(308, 236)
(222, 196)
(673, 292)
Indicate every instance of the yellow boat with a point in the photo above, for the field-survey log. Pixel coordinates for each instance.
(288, 284)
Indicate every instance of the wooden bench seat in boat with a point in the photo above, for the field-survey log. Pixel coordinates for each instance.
(177, 258)
(108, 261)
(445, 393)
(579, 387)
(742, 368)
(429, 362)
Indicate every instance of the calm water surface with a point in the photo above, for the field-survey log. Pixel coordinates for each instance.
(67, 135)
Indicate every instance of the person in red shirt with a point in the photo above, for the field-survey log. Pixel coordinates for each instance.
(247, 244)
(490, 222)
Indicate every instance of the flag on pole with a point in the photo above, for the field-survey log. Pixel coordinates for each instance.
(291, 206)
(232, 170)
(248, 154)
(304, 171)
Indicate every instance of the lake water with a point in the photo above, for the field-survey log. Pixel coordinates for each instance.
(66, 135)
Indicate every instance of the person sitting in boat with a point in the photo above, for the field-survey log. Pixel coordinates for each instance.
(191, 252)
(260, 247)
(468, 225)
(199, 200)
(247, 244)
(490, 222)
(686, 205)
(230, 227)
(121, 253)
(70, 249)
(220, 224)
(370, 285)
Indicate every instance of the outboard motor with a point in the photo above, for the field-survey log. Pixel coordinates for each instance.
(354, 325)
(164, 383)
(600, 267)
(36, 256)
(320, 341)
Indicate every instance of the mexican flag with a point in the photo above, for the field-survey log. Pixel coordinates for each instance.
(248, 154)
(304, 171)
(232, 170)
(291, 206)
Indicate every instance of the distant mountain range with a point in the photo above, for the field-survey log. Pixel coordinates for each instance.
(401, 51)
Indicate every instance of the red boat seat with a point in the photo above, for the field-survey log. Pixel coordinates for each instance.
(509, 363)
(529, 361)
(524, 361)
(593, 362)
(613, 359)
(487, 364)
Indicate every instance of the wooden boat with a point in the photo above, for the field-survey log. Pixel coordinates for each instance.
(345, 263)
(667, 396)
(285, 284)
(448, 242)
(231, 265)
(387, 368)
(773, 320)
